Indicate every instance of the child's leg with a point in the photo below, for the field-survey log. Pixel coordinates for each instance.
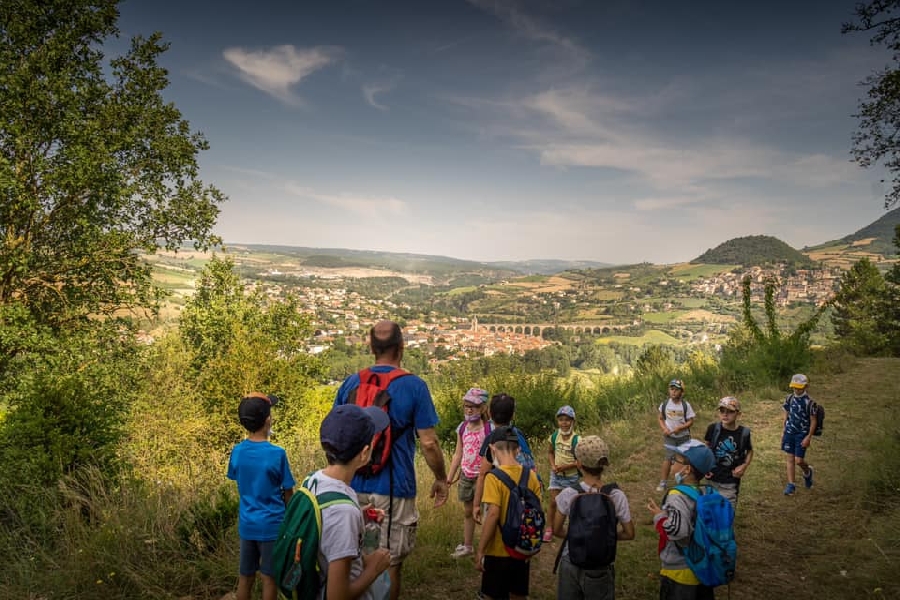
(469, 527)
(245, 586)
(801, 462)
(666, 467)
(790, 467)
(269, 589)
(551, 511)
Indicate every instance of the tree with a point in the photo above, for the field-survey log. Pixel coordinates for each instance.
(860, 309)
(96, 168)
(878, 138)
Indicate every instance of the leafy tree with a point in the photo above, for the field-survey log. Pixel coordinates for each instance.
(95, 168)
(860, 308)
(877, 140)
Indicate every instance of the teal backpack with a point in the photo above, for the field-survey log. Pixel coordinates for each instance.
(295, 557)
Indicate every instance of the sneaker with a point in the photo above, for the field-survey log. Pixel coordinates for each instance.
(548, 535)
(807, 479)
(789, 489)
(462, 550)
(661, 487)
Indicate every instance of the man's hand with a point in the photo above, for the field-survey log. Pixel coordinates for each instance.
(440, 491)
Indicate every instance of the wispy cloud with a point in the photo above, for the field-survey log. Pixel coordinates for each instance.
(364, 205)
(277, 70)
(531, 28)
(384, 85)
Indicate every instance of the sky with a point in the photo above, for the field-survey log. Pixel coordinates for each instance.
(608, 130)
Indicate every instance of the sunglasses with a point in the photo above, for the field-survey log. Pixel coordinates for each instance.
(723, 410)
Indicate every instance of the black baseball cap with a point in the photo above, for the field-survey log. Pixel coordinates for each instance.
(254, 409)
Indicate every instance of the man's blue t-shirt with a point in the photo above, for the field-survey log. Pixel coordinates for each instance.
(411, 408)
(261, 471)
(799, 414)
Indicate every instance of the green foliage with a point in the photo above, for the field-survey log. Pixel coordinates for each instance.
(757, 356)
(860, 308)
(95, 165)
(753, 250)
(876, 140)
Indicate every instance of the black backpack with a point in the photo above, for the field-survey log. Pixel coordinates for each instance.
(820, 417)
(592, 535)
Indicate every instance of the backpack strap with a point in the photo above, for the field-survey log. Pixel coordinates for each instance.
(553, 437)
(326, 499)
(504, 478)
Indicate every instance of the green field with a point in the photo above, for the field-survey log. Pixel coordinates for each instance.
(689, 272)
(661, 318)
(649, 337)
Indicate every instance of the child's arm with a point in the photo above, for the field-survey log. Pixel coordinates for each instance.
(479, 488)
(684, 426)
(626, 531)
(551, 454)
(813, 421)
(661, 417)
(739, 470)
(457, 460)
(339, 585)
(286, 495)
(488, 531)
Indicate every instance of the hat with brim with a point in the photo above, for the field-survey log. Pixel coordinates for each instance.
(255, 408)
(347, 429)
(697, 453)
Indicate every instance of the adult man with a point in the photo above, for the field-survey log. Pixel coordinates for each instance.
(412, 414)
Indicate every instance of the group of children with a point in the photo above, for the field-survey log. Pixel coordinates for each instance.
(487, 440)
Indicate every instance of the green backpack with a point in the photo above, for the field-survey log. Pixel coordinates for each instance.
(295, 557)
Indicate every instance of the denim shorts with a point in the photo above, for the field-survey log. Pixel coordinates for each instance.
(792, 444)
(561, 482)
(256, 556)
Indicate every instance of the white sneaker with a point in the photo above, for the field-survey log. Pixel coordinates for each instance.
(661, 487)
(462, 550)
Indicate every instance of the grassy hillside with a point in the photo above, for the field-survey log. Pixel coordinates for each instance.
(753, 250)
(839, 540)
(877, 237)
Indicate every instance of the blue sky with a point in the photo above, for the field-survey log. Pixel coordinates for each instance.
(517, 129)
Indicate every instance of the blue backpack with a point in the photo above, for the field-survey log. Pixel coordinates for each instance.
(712, 551)
(522, 528)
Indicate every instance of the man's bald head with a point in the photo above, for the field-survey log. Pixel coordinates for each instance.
(386, 340)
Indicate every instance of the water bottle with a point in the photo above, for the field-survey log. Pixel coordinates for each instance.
(371, 531)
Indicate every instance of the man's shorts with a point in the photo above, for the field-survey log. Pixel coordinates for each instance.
(256, 556)
(792, 443)
(505, 575)
(402, 527)
(466, 491)
(561, 482)
(668, 440)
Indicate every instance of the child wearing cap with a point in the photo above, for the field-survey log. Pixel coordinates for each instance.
(732, 447)
(470, 435)
(563, 470)
(675, 523)
(265, 486)
(675, 417)
(799, 424)
(346, 436)
(502, 576)
(591, 456)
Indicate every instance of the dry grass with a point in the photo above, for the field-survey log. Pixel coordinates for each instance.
(830, 542)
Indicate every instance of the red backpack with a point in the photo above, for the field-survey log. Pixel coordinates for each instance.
(372, 391)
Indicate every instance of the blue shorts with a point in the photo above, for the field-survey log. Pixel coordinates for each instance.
(256, 556)
(792, 444)
(561, 482)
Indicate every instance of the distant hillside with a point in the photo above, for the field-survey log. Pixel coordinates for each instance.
(877, 237)
(753, 250)
(547, 266)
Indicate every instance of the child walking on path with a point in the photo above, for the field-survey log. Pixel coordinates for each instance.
(675, 418)
(265, 486)
(675, 524)
(502, 576)
(732, 447)
(470, 435)
(799, 425)
(563, 470)
(586, 569)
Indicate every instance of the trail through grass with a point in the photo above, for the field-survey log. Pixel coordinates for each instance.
(840, 540)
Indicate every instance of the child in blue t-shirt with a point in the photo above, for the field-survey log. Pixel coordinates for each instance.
(799, 424)
(265, 486)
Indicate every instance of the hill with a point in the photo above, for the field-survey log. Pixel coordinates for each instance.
(876, 237)
(753, 250)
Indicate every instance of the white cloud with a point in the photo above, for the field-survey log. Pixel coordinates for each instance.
(277, 70)
(375, 88)
(364, 205)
